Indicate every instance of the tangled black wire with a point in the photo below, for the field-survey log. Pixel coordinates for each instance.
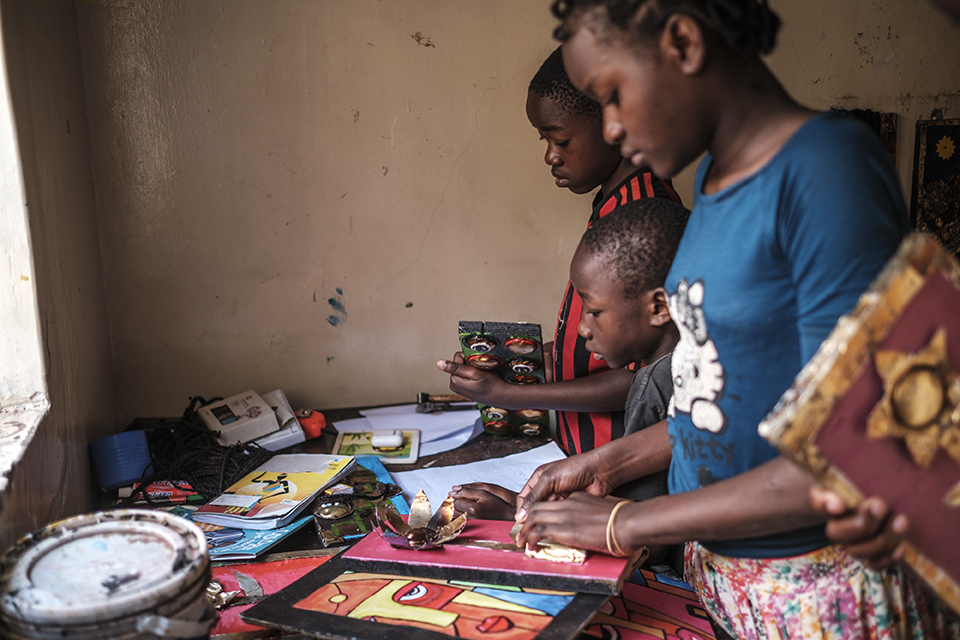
(189, 451)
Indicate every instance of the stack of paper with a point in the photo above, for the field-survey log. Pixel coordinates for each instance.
(276, 492)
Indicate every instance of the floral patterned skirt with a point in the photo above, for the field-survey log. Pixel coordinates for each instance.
(823, 594)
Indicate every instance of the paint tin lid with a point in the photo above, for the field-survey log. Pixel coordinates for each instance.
(103, 566)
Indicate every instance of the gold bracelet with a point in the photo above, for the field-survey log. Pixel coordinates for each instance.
(613, 547)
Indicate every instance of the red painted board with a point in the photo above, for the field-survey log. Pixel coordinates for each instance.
(599, 574)
(272, 577)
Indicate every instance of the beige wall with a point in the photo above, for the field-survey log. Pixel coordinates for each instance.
(899, 56)
(254, 159)
(42, 54)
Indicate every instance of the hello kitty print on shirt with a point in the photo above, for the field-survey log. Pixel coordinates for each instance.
(698, 377)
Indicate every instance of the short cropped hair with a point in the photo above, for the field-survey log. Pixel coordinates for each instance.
(640, 239)
(551, 81)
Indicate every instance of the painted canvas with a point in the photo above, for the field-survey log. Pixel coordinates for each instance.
(358, 443)
(935, 202)
(271, 576)
(333, 603)
(460, 559)
(652, 607)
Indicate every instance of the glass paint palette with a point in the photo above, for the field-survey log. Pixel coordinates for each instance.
(515, 351)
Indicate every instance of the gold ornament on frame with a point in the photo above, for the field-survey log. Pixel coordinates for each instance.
(920, 404)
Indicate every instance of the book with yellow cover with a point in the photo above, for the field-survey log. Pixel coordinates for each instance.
(276, 492)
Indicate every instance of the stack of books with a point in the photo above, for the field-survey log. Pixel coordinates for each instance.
(267, 504)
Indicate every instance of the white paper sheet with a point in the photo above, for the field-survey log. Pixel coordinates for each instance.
(432, 426)
(452, 441)
(355, 424)
(510, 472)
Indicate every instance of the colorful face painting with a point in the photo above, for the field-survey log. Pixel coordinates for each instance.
(458, 609)
(652, 607)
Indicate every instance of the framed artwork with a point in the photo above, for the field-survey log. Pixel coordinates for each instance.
(360, 444)
(652, 606)
(884, 124)
(332, 603)
(935, 200)
(875, 411)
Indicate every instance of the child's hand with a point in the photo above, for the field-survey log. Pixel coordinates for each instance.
(870, 532)
(486, 387)
(579, 520)
(484, 501)
(559, 479)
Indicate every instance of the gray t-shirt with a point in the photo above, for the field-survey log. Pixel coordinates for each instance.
(646, 406)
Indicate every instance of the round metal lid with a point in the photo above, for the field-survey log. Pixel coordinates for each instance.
(100, 566)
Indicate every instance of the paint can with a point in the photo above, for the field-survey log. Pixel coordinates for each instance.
(115, 575)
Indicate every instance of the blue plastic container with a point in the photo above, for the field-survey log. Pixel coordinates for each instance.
(121, 459)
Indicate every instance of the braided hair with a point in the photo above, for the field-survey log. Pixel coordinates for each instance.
(551, 81)
(748, 26)
(639, 239)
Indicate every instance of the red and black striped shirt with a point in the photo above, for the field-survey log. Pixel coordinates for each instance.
(580, 432)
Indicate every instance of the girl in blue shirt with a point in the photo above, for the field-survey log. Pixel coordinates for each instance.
(794, 214)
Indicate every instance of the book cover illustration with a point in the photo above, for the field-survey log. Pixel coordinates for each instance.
(274, 493)
(264, 494)
(876, 410)
(341, 604)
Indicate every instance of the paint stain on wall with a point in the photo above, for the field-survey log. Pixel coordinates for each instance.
(339, 310)
(423, 40)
